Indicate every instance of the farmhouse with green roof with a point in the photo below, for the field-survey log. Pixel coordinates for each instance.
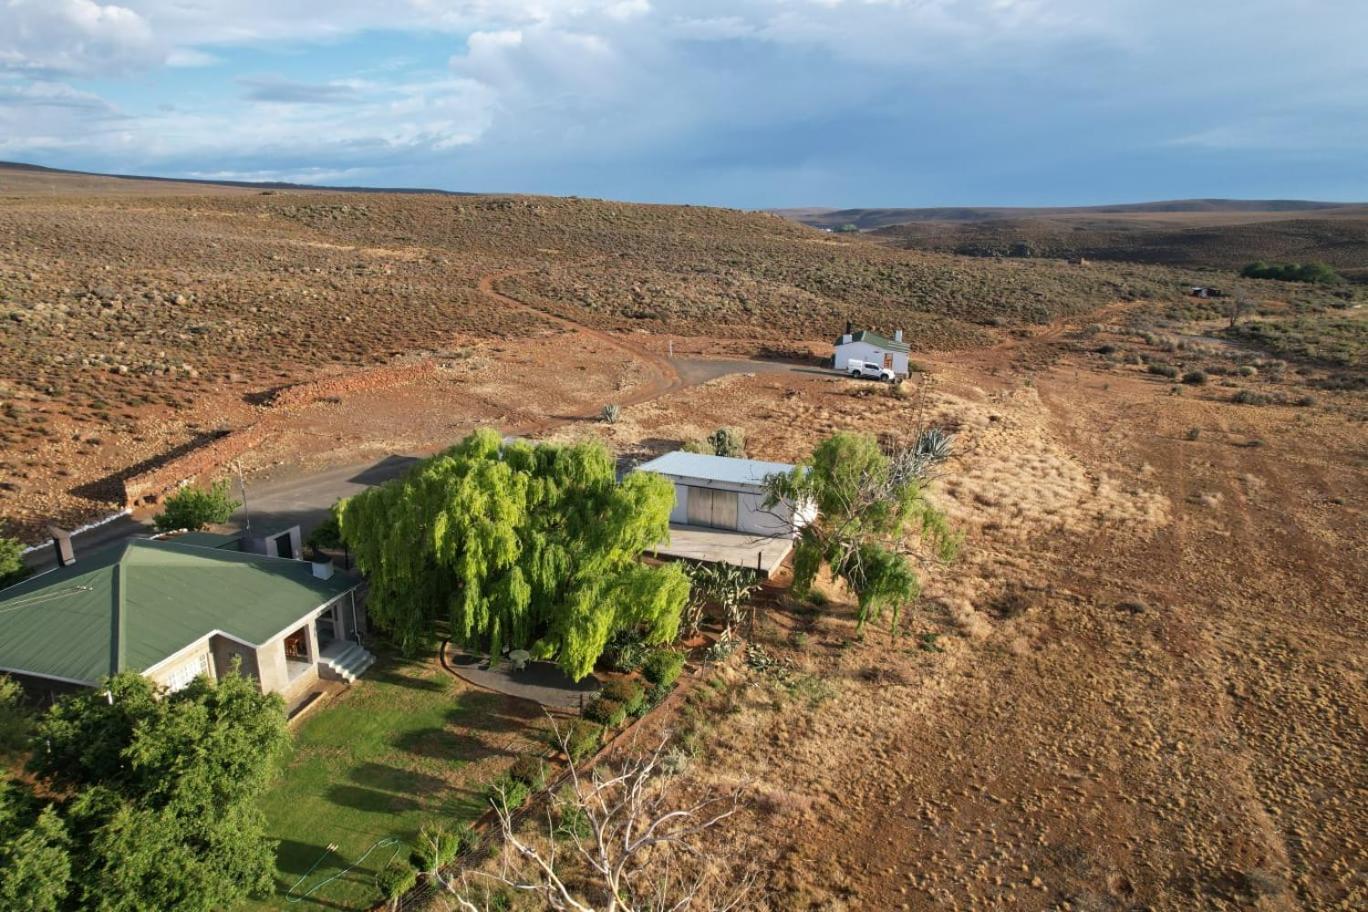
(173, 611)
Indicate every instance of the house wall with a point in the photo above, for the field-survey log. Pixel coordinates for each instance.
(269, 546)
(272, 669)
(226, 650)
(864, 351)
(164, 674)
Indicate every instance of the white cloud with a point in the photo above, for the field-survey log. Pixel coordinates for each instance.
(74, 36)
(738, 88)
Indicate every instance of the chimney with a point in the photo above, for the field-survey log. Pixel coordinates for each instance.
(897, 335)
(61, 544)
(323, 568)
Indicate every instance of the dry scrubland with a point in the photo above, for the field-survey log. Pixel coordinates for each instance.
(1140, 686)
(138, 318)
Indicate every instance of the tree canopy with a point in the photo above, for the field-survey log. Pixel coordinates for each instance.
(157, 805)
(519, 546)
(1319, 273)
(195, 508)
(872, 518)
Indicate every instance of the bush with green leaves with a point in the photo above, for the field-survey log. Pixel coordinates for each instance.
(194, 508)
(147, 799)
(12, 568)
(609, 713)
(437, 845)
(728, 441)
(508, 792)
(1162, 369)
(663, 666)
(1318, 273)
(395, 879)
(531, 547)
(725, 585)
(1195, 377)
(15, 719)
(631, 694)
(582, 738)
(872, 519)
(530, 770)
(611, 414)
(327, 535)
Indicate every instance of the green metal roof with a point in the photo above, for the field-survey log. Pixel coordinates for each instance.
(229, 541)
(129, 606)
(875, 339)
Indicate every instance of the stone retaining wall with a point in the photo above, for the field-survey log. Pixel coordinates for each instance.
(149, 487)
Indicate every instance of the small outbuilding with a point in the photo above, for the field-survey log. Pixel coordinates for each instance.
(720, 514)
(864, 345)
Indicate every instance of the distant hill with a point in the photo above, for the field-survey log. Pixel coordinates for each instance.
(1221, 234)
(40, 178)
(1221, 209)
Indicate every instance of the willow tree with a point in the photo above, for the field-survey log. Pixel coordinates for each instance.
(873, 520)
(519, 546)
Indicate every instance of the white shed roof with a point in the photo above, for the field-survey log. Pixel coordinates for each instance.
(722, 469)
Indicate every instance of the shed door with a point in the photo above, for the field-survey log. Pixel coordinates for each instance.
(888, 361)
(716, 509)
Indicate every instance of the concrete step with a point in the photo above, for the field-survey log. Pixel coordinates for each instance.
(348, 664)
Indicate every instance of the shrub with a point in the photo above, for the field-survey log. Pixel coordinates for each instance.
(529, 770)
(1305, 401)
(606, 712)
(1193, 433)
(1195, 377)
(582, 738)
(509, 791)
(1248, 371)
(663, 666)
(395, 879)
(15, 719)
(194, 508)
(628, 657)
(1162, 370)
(1250, 397)
(627, 692)
(12, 568)
(697, 445)
(611, 414)
(728, 441)
(437, 845)
(571, 821)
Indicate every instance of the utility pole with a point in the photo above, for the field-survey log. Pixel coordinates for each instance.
(242, 487)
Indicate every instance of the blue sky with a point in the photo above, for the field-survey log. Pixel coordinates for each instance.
(750, 103)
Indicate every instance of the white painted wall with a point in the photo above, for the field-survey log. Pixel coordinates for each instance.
(864, 351)
(751, 514)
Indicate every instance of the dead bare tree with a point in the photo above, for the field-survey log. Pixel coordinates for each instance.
(628, 850)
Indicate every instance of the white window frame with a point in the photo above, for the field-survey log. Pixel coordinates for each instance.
(186, 672)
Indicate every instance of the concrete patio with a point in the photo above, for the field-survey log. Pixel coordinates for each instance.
(724, 546)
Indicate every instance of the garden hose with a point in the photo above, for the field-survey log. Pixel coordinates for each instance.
(292, 897)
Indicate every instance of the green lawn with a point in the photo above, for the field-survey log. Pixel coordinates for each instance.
(406, 744)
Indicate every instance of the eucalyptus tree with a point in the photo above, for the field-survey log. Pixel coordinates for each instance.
(519, 546)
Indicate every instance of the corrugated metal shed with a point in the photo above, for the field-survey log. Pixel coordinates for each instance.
(723, 469)
(129, 606)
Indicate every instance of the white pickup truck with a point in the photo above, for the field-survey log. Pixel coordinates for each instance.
(857, 368)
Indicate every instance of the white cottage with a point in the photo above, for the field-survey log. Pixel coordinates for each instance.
(720, 514)
(870, 346)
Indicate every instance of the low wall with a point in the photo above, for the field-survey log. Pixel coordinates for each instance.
(380, 378)
(148, 487)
